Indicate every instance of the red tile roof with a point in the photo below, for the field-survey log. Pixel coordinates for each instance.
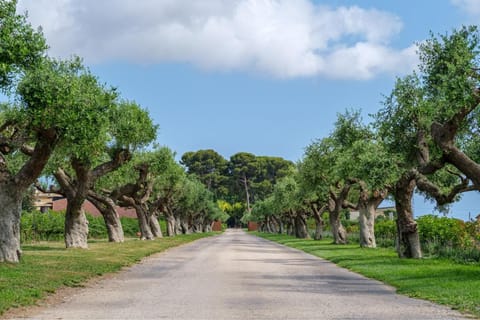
(61, 204)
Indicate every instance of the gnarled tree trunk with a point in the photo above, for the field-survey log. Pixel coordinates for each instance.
(142, 216)
(366, 221)
(335, 206)
(171, 224)
(182, 225)
(76, 226)
(338, 230)
(155, 225)
(273, 224)
(11, 203)
(143, 222)
(281, 229)
(319, 223)
(318, 229)
(367, 206)
(107, 208)
(178, 226)
(301, 230)
(12, 188)
(77, 190)
(207, 226)
(408, 241)
(76, 223)
(278, 224)
(268, 227)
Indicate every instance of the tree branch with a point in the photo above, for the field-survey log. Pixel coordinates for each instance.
(120, 157)
(434, 191)
(348, 205)
(65, 182)
(27, 150)
(33, 167)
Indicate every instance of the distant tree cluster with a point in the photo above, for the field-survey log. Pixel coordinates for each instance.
(240, 181)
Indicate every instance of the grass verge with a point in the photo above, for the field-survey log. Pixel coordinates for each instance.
(438, 280)
(47, 266)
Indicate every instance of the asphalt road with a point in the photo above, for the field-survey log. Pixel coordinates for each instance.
(239, 276)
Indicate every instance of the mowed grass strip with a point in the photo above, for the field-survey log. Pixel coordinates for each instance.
(47, 266)
(438, 280)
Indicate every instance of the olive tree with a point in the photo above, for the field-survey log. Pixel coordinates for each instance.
(404, 127)
(134, 185)
(116, 130)
(262, 213)
(367, 166)
(371, 171)
(450, 79)
(287, 201)
(166, 189)
(21, 49)
(317, 172)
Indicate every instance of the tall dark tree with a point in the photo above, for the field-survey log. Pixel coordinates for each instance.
(254, 176)
(210, 168)
(243, 168)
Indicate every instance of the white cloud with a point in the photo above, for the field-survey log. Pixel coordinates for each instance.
(471, 7)
(282, 38)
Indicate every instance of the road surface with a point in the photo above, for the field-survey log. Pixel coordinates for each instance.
(239, 276)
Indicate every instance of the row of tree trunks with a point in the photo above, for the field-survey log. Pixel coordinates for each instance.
(170, 224)
(278, 224)
(182, 225)
(77, 190)
(291, 226)
(207, 226)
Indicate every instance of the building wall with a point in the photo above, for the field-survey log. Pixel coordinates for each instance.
(380, 212)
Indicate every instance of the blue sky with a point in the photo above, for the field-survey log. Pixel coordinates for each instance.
(261, 76)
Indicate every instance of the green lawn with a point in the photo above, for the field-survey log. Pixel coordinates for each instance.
(48, 266)
(441, 281)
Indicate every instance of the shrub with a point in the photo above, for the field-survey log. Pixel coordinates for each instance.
(96, 226)
(37, 226)
(130, 226)
(442, 230)
(352, 228)
(447, 238)
(385, 233)
(473, 229)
